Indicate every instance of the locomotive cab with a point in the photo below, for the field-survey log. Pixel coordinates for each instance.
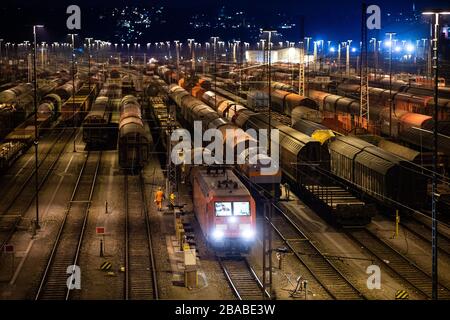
(225, 209)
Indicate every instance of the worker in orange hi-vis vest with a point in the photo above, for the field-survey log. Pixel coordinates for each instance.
(159, 197)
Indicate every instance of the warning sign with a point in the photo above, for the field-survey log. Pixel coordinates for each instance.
(401, 295)
(106, 266)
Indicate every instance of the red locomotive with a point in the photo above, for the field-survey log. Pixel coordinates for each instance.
(224, 208)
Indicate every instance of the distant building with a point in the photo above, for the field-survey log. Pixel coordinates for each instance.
(286, 55)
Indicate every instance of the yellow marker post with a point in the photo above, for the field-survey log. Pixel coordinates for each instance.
(397, 222)
(172, 199)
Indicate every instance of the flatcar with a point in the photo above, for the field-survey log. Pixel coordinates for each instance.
(7, 119)
(134, 135)
(75, 108)
(9, 152)
(224, 208)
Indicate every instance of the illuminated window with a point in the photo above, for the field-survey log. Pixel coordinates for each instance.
(241, 208)
(223, 209)
(226, 209)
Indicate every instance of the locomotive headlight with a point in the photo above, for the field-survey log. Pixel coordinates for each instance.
(218, 234)
(232, 219)
(248, 234)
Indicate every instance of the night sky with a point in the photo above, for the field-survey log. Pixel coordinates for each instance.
(325, 19)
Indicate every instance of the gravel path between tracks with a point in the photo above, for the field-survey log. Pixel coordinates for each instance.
(97, 283)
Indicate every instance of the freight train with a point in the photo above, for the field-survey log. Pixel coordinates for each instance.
(134, 135)
(224, 207)
(9, 152)
(407, 87)
(75, 108)
(342, 113)
(49, 107)
(303, 161)
(51, 94)
(16, 104)
(95, 124)
(406, 98)
(191, 109)
(20, 135)
(99, 131)
(386, 178)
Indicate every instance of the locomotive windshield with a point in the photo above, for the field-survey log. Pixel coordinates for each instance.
(241, 208)
(224, 209)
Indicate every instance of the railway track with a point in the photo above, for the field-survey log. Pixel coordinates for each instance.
(68, 242)
(16, 202)
(334, 282)
(140, 273)
(423, 231)
(10, 177)
(242, 279)
(407, 270)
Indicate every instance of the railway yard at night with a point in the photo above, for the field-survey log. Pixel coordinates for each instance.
(224, 169)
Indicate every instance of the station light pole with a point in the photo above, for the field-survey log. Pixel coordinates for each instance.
(215, 68)
(42, 55)
(98, 48)
(36, 139)
(192, 45)
(28, 61)
(315, 55)
(177, 53)
(434, 194)
(347, 61)
(89, 62)
(267, 230)
(424, 55)
(391, 101)
(73, 89)
(128, 52)
(308, 39)
(375, 57)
